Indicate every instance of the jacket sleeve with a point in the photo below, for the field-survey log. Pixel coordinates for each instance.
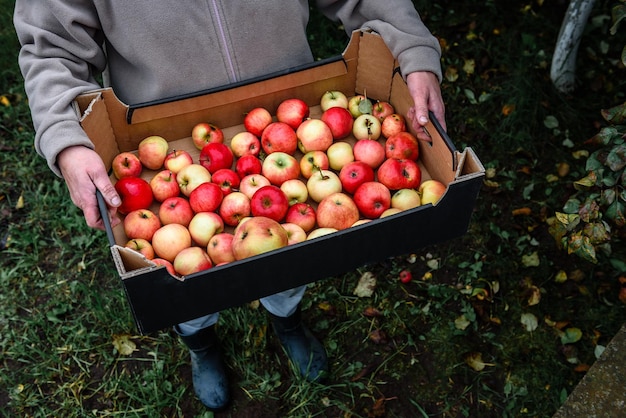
(60, 53)
(398, 23)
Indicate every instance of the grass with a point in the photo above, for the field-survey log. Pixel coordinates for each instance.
(68, 346)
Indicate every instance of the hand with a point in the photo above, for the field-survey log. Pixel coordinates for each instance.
(426, 94)
(84, 172)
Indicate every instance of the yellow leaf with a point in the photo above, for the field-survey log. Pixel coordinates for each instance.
(469, 66)
(475, 361)
(507, 109)
(4, 100)
(20, 202)
(123, 344)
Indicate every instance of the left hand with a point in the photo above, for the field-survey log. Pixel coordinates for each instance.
(426, 93)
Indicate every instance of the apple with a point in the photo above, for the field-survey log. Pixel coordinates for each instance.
(227, 179)
(295, 190)
(319, 232)
(258, 235)
(338, 211)
(126, 164)
(390, 211)
(256, 120)
(359, 105)
(372, 199)
(333, 98)
(235, 206)
(177, 159)
(322, 184)
(203, 226)
(163, 262)
(164, 185)
(135, 193)
(302, 214)
(361, 222)
(399, 174)
(216, 155)
(245, 143)
(207, 197)
(220, 248)
(152, 151)
(169, 240)
(382, 109)
(369, 151)
(312, 162)
(246, 165)
(292, 112)
(279, 167)
(404, 199)
(339, 154)
(191, 260)
(366, 126)
(205, 133)
(270, 202)
(392, 125)
(402, 145)
(431, 191)
(339, 120)
(251, 183)
(314, 135)
(142, 246)
(279, 137)
(295, 233)
(355, 173)
(175, 210)
(190, 177)
(141, 224)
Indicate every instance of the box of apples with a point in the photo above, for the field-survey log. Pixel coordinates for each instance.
(237, 193)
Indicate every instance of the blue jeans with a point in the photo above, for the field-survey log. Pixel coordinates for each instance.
(280, 304)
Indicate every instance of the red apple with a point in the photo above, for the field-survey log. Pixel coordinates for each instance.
(135, 193)
(245, 143)
(258, 235)
(168, 266)
(279, 137)
(359, 105)
(203, 226)
(314, 135)
(355, 173)
(402, 145)
(338, 211)
(257, 120)
(270, 202)
(339, 154)
(312, 162)
(295, 233)
(322, 184)
(175, 210)
(176, 160)
(370, 152)
(372, 198)
(207, 197)
(169, 240)
(382, 109)
(220, 248)
(142, 246)
(333, 98)
(141, 224)
(235, 206)
(279, 167)
(292, 112)
(190, 177)
(216, 155)
(431, 191)
(399, 174)
(246, 165)
(404, 199)
(227, 179)
(339, 120)
(191, 260)
(295, 190)
(164, 185)
(251, 183)
(205, 133)
(392, 125)
(302, 214)
(126, 164)
(366, 126)
(152, 151)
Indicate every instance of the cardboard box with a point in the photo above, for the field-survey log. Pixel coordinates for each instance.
(158, 300)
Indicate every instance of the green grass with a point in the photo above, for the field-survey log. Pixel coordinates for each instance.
(62, 308)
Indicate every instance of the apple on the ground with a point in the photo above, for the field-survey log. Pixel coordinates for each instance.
(258, 235)
(152, 151)
(204, 133)
(322, 184)
(372, 199)
(126, 164)
(338, 211)
(203, 226)
(164, 185)
(279, 167)
(169, 240)
(175, 210)
(141, 224)
(192, 260)
(370, 152)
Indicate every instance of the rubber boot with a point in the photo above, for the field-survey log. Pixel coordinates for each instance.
(210, 382)
(304, 350)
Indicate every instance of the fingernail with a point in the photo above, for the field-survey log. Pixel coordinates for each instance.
(116, 201)
(423, 119)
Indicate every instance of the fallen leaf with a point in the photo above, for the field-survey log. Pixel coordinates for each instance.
(461, 322)
(20, 202)
(529, 321)
(534, 296)
(475, 361)
(571, 335)
(378, 336)
(522, 211)
(560, 277)
(123, 344)
(531, 260)
(366, 285)
(371, 312)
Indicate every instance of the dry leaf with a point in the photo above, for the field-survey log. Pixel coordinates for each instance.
(366, 285)
(475, 361)
(529, 322)
(123, 344)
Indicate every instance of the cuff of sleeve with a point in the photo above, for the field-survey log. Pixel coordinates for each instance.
(421, 58)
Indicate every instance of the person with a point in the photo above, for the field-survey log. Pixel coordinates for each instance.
(155, 50)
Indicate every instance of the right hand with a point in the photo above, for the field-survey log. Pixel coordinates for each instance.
(84, 172)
